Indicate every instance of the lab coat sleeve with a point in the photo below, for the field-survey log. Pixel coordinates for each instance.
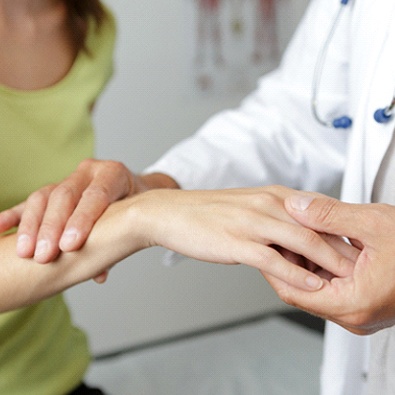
(272, 138)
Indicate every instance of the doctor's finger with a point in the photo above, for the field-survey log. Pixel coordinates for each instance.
(329, 303)
(315, 303)
(326, 214)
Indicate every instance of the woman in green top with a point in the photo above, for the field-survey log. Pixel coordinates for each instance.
(55, 59)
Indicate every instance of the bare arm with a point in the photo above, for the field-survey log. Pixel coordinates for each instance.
(24, 282)
(60, 217)
(228, 227)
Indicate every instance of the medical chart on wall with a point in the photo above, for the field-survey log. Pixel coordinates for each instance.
(231, 43)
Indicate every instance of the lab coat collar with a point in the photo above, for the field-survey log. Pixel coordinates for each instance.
(372, 30)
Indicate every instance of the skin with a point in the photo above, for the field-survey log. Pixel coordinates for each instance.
(227, 226)
(61, 216)
(356, 298)
(237, 226)
(364, 301)
(82, 197)
(35, 46)
(36, 51)
(24, 282)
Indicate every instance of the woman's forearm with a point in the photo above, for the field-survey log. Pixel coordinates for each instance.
(24, 281)
(229, 226)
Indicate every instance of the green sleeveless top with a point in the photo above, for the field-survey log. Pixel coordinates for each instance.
(44, 134)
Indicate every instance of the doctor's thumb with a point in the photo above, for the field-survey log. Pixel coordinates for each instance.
(318, 212)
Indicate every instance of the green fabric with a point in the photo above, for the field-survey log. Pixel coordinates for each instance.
(44, 134)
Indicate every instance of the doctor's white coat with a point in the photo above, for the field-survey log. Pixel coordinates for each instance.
(274, 139)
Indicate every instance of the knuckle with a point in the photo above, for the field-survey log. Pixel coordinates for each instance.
(37, 198)
(277, 190)
(82, 221)
(86, 163)
(272, 199)
(116, 166)
(14, 212)
(327, 212)
(117, 170)
(266, 255)
(264, 200)
(47, 229)
(309, 237)
(258, 256)
(104, 165)
(97, 193)
(27, 226)
(63, 191)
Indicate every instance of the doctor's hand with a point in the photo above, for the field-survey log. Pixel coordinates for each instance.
(363, 302)
(61, 216)
(235, 226)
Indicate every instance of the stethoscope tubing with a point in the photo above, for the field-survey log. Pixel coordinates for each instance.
(381, 115)
(318, 71)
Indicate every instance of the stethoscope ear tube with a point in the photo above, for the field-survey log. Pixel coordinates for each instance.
(341, 122)
(382, 115)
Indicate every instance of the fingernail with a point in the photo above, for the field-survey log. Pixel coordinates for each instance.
(300, 202)
(42, 247)
(68, 238)
(22, 244)
(313, 282)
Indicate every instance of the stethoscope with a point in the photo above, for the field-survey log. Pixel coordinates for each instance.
(382, 115)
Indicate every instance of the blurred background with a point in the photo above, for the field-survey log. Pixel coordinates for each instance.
(153, 101)
(147, 108)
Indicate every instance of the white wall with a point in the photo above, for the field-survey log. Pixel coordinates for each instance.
(145, 111)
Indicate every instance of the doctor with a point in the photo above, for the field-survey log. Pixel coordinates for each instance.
(360, 58)
(274, 138)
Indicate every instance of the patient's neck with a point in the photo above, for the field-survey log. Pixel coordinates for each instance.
(36, 49)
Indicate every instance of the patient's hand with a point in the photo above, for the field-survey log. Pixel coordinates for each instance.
(248, 226)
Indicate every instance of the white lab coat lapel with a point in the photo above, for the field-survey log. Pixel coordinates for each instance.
(378, 136)
(372, 82)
